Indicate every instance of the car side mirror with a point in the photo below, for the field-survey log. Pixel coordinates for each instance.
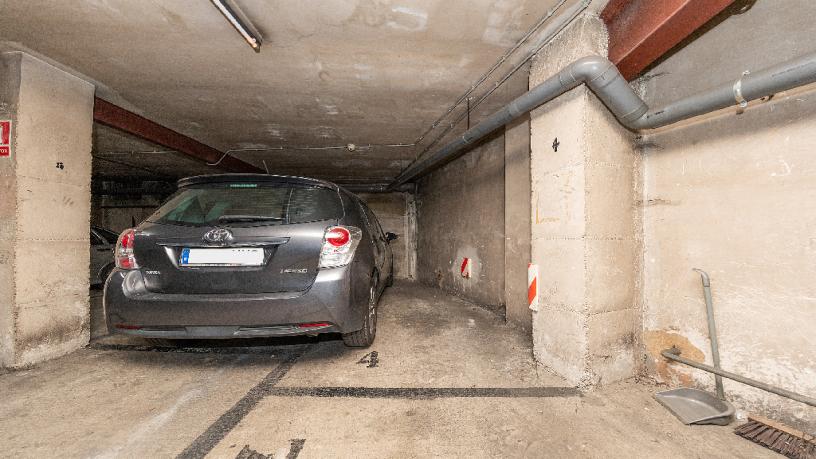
(391, 237)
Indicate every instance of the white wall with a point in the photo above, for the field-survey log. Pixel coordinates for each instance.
(735, 195)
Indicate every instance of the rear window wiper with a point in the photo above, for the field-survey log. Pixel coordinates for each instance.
(248, 218)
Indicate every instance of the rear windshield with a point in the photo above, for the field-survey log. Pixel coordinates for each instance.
(249, 203)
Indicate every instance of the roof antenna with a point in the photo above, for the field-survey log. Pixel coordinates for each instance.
(265, 166)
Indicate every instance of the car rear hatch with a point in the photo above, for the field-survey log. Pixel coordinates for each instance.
(237, 238)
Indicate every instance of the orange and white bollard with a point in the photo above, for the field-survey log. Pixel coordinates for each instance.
(532, 286)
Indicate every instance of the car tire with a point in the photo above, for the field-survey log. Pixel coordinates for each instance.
(365, 336)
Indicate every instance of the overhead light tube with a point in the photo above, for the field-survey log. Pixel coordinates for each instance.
(240, 22)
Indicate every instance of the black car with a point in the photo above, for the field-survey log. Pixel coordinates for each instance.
(250, 255)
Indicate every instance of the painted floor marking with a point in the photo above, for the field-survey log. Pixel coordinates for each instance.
(295, 446)
(372, 358)
(426, 392)
(219, 429)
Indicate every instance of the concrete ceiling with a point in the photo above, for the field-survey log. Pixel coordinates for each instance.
(331, 72)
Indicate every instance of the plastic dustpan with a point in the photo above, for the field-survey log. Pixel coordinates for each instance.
(693, 406)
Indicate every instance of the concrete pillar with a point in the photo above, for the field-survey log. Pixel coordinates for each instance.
(516, 221)
(44, 211)
(584, 236)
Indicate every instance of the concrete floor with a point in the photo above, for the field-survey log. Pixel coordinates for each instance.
(449, 380)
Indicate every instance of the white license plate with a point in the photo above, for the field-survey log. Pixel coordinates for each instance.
(222, 257)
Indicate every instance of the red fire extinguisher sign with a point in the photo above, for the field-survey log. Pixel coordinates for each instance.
(5, 138)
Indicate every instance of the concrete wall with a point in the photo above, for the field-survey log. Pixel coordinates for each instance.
(585, 239)
(478, 207)
(396, 214)
(460, 213)
(44, 247)
(735, 195)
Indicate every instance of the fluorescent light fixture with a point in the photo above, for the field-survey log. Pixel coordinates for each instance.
(238, 20)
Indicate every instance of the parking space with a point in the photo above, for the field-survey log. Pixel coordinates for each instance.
(445, 378)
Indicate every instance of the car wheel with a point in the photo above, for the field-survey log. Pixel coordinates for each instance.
(365, 336)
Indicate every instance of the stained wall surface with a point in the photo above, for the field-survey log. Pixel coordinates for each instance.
(478, 207)
(460, 214)
(734, 194)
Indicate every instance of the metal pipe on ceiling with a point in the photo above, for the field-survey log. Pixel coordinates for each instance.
(604, 79)
(561, 21)
(546, 36)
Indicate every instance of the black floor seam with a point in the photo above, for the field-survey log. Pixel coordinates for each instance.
(260, 350)
(426, 392)
(219, 429)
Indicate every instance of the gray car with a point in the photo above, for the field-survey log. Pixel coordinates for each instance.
(250, 255)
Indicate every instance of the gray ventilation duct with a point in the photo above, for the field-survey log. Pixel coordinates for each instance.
(378, 188)
(604, 79)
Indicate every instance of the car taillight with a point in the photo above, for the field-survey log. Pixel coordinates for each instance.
(339, 244)
(124, 257)
(338, 236)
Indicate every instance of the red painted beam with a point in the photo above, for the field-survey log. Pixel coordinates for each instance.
(641, 31)
(117, 117)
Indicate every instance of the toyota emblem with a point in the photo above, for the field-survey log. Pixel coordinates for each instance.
(218, 236)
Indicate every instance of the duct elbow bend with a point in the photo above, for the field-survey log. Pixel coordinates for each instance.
(588, 68)
(638, 123)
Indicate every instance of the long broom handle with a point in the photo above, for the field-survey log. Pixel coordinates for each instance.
(674, 354)
(712, 331)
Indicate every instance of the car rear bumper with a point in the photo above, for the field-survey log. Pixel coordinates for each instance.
(330, 305)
